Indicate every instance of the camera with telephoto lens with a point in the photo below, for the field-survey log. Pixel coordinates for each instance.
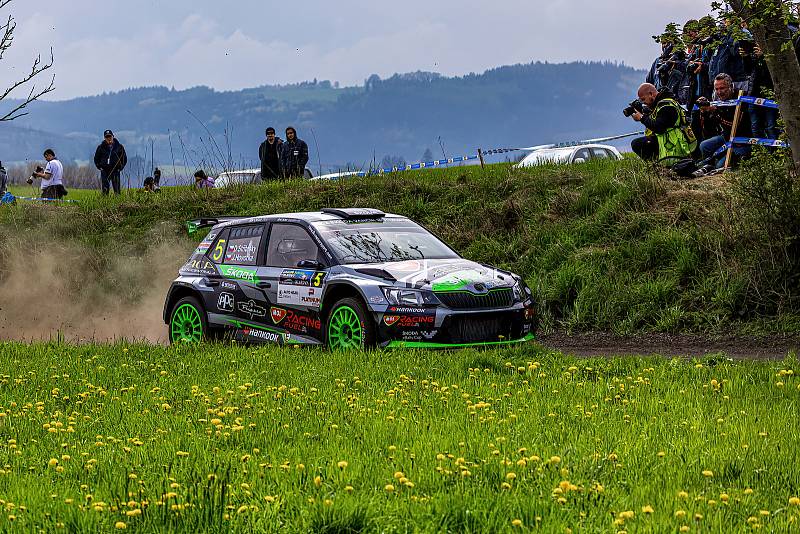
(33, 175)
(633, 107)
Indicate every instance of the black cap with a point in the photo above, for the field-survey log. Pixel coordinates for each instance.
(107, 133)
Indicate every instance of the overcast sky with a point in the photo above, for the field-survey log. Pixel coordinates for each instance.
(115, 44)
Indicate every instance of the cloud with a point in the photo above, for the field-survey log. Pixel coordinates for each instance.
(113, 44)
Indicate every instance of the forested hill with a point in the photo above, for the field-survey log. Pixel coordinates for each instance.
(403, 116)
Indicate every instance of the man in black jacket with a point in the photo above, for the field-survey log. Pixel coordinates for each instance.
(294, 155)
(721, 119)
(110, 159)
(270, 155)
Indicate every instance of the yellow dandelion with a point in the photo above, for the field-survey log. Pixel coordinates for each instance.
(748, 491)
(399, 474)
(505, 486)
(680, 514)
(182, 454)
(318, 481)
(555, 459)
(242, 509)
(52, 462)
(516, 523)
(134, 512)
(120, 525)
(342, 465)
(794, 501)
(684, 528)
(724, 497)
(348, 489)
(389, 488)
(511, 476)
(708, 473)
(647, 509)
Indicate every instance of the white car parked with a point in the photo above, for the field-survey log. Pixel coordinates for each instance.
(569, 155)
(247, 176)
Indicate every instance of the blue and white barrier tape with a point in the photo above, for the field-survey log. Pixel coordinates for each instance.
(763, 102)
(775, 143)
(47, 199)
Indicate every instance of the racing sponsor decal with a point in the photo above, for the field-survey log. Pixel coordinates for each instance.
(199, 266)
(377, 300)
(239, 273)
(407, 266)
(225, 302)
(277, 314)
(395, 309)
(409, 321)
(251, 309)
(228, 285)
(295, 321)
(263, 335)
(301, 287)
(202, 248)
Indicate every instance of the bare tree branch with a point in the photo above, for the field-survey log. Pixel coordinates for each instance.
(36, 92)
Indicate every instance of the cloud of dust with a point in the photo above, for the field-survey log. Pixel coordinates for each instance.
(49, 290)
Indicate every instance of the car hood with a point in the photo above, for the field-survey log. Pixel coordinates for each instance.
(440, 275)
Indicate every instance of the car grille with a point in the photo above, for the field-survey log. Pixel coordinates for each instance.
(479, 329)
(464, 300)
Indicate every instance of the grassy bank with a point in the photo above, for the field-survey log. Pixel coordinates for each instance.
(605, 246)
(236, 439)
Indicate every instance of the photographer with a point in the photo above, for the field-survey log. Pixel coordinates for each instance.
(669, 138)
(52, 177)
(763, 120)
(3, 180)
(720, 119)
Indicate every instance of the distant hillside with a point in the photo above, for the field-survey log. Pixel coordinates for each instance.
(403, 116)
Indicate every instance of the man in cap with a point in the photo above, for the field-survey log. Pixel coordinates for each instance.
(110, 159)
(270, 155)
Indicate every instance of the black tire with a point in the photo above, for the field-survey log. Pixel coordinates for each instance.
(180, 325)
(339, 332)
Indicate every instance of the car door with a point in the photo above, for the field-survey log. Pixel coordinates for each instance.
(296, 270)
(241, 297)
(582, 154)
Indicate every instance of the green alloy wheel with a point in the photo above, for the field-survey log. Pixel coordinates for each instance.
(187, 324)
(348, 327)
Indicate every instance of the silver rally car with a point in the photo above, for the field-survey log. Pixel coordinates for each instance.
(344, 278)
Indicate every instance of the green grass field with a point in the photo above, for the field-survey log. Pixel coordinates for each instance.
(604, 246)
(227, 438)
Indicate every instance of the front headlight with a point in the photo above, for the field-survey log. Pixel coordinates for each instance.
(521, 291)
(409, 297)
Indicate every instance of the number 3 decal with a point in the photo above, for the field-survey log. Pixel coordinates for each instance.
(219, 251)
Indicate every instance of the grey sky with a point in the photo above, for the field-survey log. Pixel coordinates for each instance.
(115, 44)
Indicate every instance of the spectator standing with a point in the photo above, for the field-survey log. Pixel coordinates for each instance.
(157, 179)
(294, 155)
(110, 159)
(721, 119)
(52, 177)
(763, 120)
(3, 180)
(726, 58)
(202, 180)
(270, 155)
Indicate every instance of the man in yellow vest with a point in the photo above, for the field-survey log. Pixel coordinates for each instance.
(669, 138)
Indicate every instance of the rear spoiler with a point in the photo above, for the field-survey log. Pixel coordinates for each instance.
(207, 222)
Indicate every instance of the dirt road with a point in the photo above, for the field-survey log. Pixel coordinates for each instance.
(773, 347)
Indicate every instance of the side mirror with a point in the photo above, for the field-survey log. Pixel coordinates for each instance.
(579, 160)
(310, 264)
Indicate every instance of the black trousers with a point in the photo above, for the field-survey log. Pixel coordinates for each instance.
(109, 180)
(646, 147)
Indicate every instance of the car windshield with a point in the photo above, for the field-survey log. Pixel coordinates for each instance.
(379, 241)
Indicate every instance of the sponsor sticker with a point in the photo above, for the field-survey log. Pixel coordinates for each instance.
(292, 320)
(228, 285)
(241, 252)
(251, 309)
(301, 287)
(409, 321)
(239, 273)
(199, 266)
(263, 335)
(225, 302)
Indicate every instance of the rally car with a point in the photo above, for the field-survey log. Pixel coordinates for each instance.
(344, 278)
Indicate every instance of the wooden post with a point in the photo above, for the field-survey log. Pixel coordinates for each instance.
(480, 157)
(734, 127)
